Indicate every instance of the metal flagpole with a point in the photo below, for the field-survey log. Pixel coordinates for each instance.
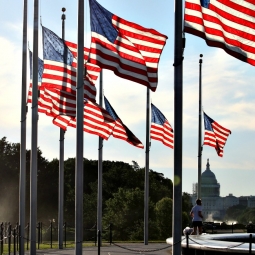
(178, 112)
(199, 129)
(34, 131)
(79, 132)
(22, 178)
(146, 181)
(61, 166)
(100, 169)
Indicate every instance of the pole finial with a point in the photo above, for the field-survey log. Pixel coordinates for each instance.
(200, 60)
(63, 17)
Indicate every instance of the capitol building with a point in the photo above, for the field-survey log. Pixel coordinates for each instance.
(215, 206)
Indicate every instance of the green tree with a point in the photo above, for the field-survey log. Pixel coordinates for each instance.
(186, 222)
(125, 212)
(186, 207)
(9, 181)
(47, 186)
(233, 212)
(248, 215)
(123, 194)
(164, 209)
(119, 174)
(135, 165)
(90, 206)
(159, 186)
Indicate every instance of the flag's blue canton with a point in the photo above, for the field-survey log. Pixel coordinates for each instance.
(40, 67)
(109, 109)
(205, 3)
(101, 21)
(208, 122)
(157, 116)
(55, 49)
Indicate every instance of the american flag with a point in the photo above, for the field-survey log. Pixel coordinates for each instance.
(57, 102)
(161, 129)
(92, 71)
(96, 121)
(120, 130)
(215, 135)
(40, 72)
(129, 50)
(62, 106)
(60, 66)
(227, 24)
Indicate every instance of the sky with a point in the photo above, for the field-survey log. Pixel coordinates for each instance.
(228, 95)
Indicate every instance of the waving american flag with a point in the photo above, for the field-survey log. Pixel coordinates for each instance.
(128, 49)
(215, 134)
(227, 24)
(161, 129)
(60, 66)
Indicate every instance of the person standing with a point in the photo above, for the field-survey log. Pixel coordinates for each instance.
(197, 217)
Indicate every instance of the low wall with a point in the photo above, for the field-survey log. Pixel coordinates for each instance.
(236, 244)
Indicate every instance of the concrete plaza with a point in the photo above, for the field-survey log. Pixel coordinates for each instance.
(120, 249)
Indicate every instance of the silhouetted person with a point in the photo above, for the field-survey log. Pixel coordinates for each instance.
(197, 217)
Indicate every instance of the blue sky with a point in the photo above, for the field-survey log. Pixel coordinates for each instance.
(227, 95)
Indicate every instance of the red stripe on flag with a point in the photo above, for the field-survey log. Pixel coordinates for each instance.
(229, 25)
(134, 55)
(163, 134)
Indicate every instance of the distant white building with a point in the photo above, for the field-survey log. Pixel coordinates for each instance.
(215, 206)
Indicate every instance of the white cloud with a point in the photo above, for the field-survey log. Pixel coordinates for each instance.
(10, 84)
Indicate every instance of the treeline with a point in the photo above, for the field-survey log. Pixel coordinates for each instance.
(240, 214)
(123, 194)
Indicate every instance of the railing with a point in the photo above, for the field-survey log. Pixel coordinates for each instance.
(216, 228)
(9, 236)
(48, 234)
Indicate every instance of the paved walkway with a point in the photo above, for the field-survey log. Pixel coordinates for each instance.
(114, 249)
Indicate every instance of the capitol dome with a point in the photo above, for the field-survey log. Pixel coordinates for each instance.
(208, 177)
(209, 185)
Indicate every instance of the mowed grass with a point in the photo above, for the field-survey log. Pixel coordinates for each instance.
(43, 246)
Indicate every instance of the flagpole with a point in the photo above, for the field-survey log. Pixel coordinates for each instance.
(147, 159)
(79, 132)
(199, 128)
(22, 178)
(61, 165)
(100, 169)
(34, 134)
(178, 112)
